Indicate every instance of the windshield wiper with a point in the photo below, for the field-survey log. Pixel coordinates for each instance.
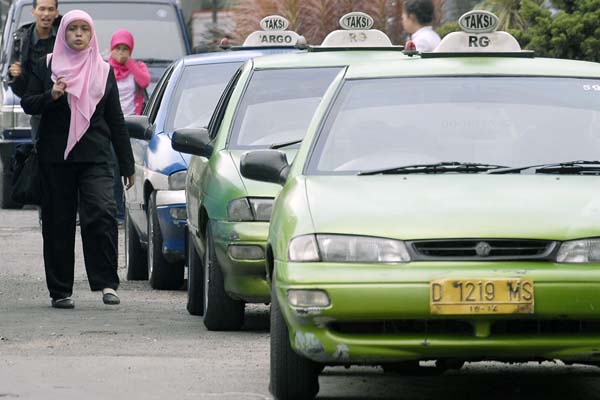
(285, 144)
(567, 167)
(436, 168)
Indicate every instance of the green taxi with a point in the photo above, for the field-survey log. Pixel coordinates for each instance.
(443, 207)
(268, 104)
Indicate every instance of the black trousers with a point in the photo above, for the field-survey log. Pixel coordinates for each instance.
(65, 189)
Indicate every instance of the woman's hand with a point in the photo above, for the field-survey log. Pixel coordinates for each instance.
(128, 181)
(15, 70)
(58, 89)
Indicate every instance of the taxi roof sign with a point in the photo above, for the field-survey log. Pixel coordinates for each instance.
(356, 20)
(274, 34)
(479, 35)
(478, 21)
(356, 32)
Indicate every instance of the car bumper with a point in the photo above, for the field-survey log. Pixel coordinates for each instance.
(170, 206)
(381, 314)
(245, 276)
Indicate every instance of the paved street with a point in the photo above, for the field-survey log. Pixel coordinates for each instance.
(150, 348)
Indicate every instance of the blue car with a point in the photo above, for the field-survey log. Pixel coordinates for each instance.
(160, 38)
(155, 207)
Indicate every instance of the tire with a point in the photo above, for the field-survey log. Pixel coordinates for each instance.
(162, 274)
(293, 377)
(195, 286)
(221, 312)
(135, 256)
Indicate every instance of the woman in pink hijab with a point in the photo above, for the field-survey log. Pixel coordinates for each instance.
(76, 93)
(132, 76)
(132, 79)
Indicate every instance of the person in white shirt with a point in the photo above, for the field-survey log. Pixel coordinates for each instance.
(417, 19)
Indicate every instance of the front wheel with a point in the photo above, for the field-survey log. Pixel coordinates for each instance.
(195, 304)
(163, 274)
(221, 312)
(293, 377)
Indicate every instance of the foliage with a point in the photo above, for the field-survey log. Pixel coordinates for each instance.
(574, 33)
(316, 18)
(508, 12)
(447, 28)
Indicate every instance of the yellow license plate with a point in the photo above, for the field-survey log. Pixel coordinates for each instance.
(481, 296)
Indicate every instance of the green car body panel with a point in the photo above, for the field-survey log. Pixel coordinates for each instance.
(212, 183)
(436, 206)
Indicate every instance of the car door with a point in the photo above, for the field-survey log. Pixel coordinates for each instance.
(135, 200)
(198, 164)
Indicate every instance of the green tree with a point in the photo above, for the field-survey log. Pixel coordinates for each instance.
(573, 33)
(508, 12)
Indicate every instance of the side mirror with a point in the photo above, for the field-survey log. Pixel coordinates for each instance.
(192, 141)
(266, 166)
(138, 126)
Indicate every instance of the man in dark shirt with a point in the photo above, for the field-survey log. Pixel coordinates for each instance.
(31, 42)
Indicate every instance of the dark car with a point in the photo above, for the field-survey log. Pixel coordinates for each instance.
(160, 38)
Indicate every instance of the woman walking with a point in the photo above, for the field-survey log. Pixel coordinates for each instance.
(132, 79)
(76, 93)
(132, 75)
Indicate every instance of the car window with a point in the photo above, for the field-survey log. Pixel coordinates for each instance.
(155, 100)
(217, 117)
(511, 121)
(278, 105)
(155, 27)
(198, 91)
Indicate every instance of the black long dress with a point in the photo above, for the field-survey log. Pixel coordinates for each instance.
(84, 182)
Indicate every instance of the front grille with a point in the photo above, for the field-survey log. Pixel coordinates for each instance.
(464, 328)
(407, 326)
(545, 327)
(482, 249)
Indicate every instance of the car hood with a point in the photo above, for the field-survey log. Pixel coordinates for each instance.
(456, 206)
(256, 188)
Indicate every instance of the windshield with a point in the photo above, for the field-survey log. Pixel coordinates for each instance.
(278, 106)
(198, 92)
(155, 27)
(508, 121)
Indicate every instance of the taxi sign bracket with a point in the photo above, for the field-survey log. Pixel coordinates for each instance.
(512, 54)
(321, 49)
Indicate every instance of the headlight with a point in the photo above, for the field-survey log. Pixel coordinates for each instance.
(250, 209)
(579, 251)
(346, 248)
(177, 180)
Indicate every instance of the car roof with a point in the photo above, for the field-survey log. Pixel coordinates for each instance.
(328, 58)
(239, 55)
(28, 2)
(478, 66)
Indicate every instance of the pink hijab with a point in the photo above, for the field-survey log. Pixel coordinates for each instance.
(85, 74)
(122, 36)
